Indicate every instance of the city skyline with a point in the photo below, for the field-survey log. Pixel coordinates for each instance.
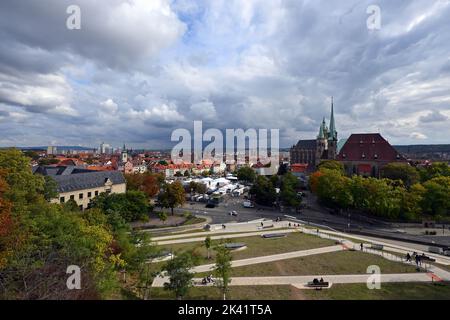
(229, 64)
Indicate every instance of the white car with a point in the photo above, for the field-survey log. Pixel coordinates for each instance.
(233, 213)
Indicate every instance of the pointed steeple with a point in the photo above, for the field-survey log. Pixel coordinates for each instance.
(321, 134)
(333, 133)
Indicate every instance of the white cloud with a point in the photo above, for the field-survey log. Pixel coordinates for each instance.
(40, 93)
(162, 113)
(203, 111)
(418, 136)
(109, 106)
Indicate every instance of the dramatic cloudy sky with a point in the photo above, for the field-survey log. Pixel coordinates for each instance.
(137, 69)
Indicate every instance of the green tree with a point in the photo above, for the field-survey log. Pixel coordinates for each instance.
(162, 216)
(436, 199)
(31, 154)
(180, 275)
(264, 191)
(331, 165)
(208, 244)
(132, 205)
(25, 187)
(401, 171)
(222, 269)
(436, 169)
(173, 195)
(50, 188)
(246, 174)
(411, 202)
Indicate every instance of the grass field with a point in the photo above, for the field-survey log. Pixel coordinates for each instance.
(391, 291)
(343, 262)
(257, 246)
(204, 234)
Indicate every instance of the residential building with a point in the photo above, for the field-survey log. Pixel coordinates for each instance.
(82, 185)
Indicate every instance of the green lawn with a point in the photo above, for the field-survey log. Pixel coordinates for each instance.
(237, 293)
(391, 291)
(197, 234)
(257, 246)
(388, 291)
(343, 262)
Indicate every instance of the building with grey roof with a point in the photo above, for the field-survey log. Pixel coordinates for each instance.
(82, 185)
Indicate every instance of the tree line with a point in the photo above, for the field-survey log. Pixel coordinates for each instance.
(402, 193)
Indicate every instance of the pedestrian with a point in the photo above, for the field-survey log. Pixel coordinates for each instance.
(362, 246)
(262, 224)
(289, 224)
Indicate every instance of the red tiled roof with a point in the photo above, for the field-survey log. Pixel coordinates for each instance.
(368, 147)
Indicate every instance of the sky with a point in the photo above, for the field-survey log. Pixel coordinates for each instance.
(139, 69)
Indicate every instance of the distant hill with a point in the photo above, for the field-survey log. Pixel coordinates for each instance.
(426, 151)
(59, 148)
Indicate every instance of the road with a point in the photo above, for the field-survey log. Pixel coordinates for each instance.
(314, 215)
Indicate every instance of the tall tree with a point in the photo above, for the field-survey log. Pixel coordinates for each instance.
(222, 269)
(246, 174)
(50, 188)
(401, 171)
(180, 275)
(331, 165)
(173, 195)
(208, 244)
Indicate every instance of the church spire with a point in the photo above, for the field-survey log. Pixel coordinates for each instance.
(333, 133)
(321, 133)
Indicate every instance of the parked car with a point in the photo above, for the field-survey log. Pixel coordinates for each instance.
(210, 205)
(248, 204)
(233, 213)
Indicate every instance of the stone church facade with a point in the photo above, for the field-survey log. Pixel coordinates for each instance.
(324, 147)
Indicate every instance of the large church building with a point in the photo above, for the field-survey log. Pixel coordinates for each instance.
(324, 147)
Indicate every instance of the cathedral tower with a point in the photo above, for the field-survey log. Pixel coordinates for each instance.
(332, 136)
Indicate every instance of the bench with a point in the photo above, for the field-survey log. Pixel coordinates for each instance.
(274, 235)
(319, 285)
(376, 246)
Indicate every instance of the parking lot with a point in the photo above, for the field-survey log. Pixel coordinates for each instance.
(220, 214)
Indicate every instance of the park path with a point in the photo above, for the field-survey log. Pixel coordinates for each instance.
(433, 273)
(251, 228)
(392, 247)
(300, 282)
(221, 236)
(272, 258)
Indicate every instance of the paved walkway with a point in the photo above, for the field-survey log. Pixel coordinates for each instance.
(229, 229)
(301, 281)
(434, 273)
(391, 247)
(272, 258)
(222, 236)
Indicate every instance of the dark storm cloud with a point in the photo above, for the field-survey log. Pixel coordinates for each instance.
(139, 69)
